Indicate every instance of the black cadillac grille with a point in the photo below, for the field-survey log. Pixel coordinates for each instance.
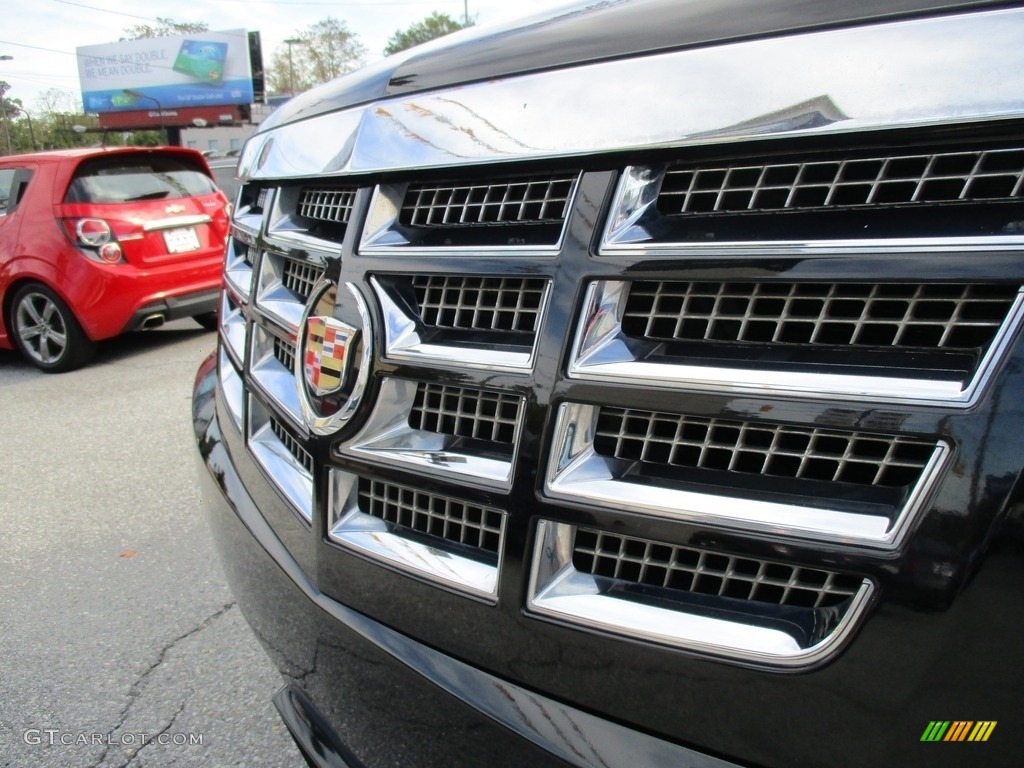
(760, 449)
(300, 277)
(467, 413)
(427, 513)
(929, 316)
(519, 201)
(292, 445)
(898, 179)
(688, 569)
(479, 303)
(325, 204)
(285, 353)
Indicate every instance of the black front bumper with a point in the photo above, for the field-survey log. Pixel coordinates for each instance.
(359, 693)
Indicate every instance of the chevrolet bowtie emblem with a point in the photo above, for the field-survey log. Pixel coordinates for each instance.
(326, 360)
(174, 208)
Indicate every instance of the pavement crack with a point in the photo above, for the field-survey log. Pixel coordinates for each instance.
(140, 683)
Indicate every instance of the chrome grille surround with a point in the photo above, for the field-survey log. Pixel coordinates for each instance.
(578, 474)
(232, 328)
(707, 572)
(761, 449)
(433, 328)
(448, 541)
(604, 351)
(478, 219)
(511, 202)
(327, 204)
(747, 630)
(894, 179)
(747, 110)
(231, 386)
(240, 260)
(287, 464)
(390, 438)
(275, 379)
(285, 284)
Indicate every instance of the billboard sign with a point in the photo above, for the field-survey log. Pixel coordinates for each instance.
(200, 69)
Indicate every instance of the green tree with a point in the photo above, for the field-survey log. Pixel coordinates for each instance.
(164, 28)
(320, 52)
(434, 26)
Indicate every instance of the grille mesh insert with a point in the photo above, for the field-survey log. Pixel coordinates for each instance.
(284, 351)
(699, 571)
(479, 303)
(521, 201)
(300, 277)
(905, 179)
(929, 316)
(292, 445)
(467, 413)
(330, 205)
(450, 519)
(760, 449)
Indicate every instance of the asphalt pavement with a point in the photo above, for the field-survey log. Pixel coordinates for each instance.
(120, 644)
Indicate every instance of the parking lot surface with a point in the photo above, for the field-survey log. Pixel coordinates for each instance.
(120, 644)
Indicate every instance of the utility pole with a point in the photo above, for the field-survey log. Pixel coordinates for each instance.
(291, 65)
(465, 13)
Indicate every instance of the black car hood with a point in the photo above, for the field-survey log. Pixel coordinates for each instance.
(595, 30)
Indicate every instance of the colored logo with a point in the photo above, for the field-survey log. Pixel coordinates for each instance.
(958, 730)
(325, 362)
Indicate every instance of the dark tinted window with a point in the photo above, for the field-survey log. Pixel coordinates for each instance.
(13, 182)
(126, 178)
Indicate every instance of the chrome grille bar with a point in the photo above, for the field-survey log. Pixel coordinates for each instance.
(457, 521)
(903, 179)
(512, 202)
(479, 303)
(292, 445)
(760, 449)
(937, 316)
(324, 204)
(701, 571)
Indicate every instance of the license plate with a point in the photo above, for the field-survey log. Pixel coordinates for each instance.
(181, 240)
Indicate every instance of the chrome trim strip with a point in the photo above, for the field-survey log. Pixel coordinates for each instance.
(273, 298)
(387, 439)
(602, 352)
(576, 473)
(559, 591)
(761, 88)
(282, 470)
(177, 221)
(273, 379)
(232, 387)
(402, 341)
(374, 538)
(232, 329)
(636, 196)
(381, 235)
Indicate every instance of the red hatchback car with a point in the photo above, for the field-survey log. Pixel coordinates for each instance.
(97, 242)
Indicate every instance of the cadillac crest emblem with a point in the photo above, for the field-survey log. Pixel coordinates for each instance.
(325, 362)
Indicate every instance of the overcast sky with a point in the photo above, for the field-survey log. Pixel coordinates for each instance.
(42, 35)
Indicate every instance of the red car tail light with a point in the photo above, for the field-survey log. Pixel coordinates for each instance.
(94, 239)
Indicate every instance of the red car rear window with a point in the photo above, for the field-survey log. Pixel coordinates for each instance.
(126, 178)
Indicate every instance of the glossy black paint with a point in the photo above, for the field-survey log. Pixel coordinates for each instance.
(397, 665)
(361, 693)
(942, 637)
(591, 31)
